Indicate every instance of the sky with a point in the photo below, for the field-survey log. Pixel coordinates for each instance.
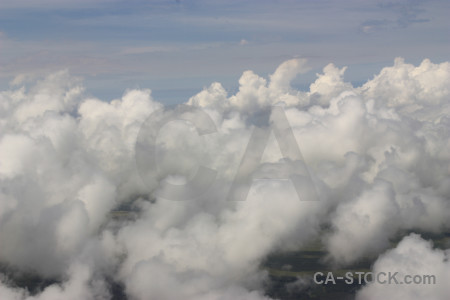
(299, 123)
(175, 48)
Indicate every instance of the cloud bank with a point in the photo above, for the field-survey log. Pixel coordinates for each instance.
(378, 156)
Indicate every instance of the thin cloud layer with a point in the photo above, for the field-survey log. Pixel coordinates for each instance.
(378, 156)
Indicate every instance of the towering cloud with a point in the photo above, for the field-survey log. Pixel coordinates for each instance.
(378, 157)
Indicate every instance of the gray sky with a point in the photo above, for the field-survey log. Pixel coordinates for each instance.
(176, 48)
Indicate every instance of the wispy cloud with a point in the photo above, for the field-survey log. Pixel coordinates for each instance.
(397, 15)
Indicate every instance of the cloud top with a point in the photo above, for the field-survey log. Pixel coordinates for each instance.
(378, 156)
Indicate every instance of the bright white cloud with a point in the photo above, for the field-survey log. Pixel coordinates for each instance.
(413, 256)
(378, 155)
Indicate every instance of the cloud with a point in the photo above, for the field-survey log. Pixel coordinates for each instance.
(377, 154)
(412, 256)
(375, 212)
(243, 42)
(405, 13)
(404, 84)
